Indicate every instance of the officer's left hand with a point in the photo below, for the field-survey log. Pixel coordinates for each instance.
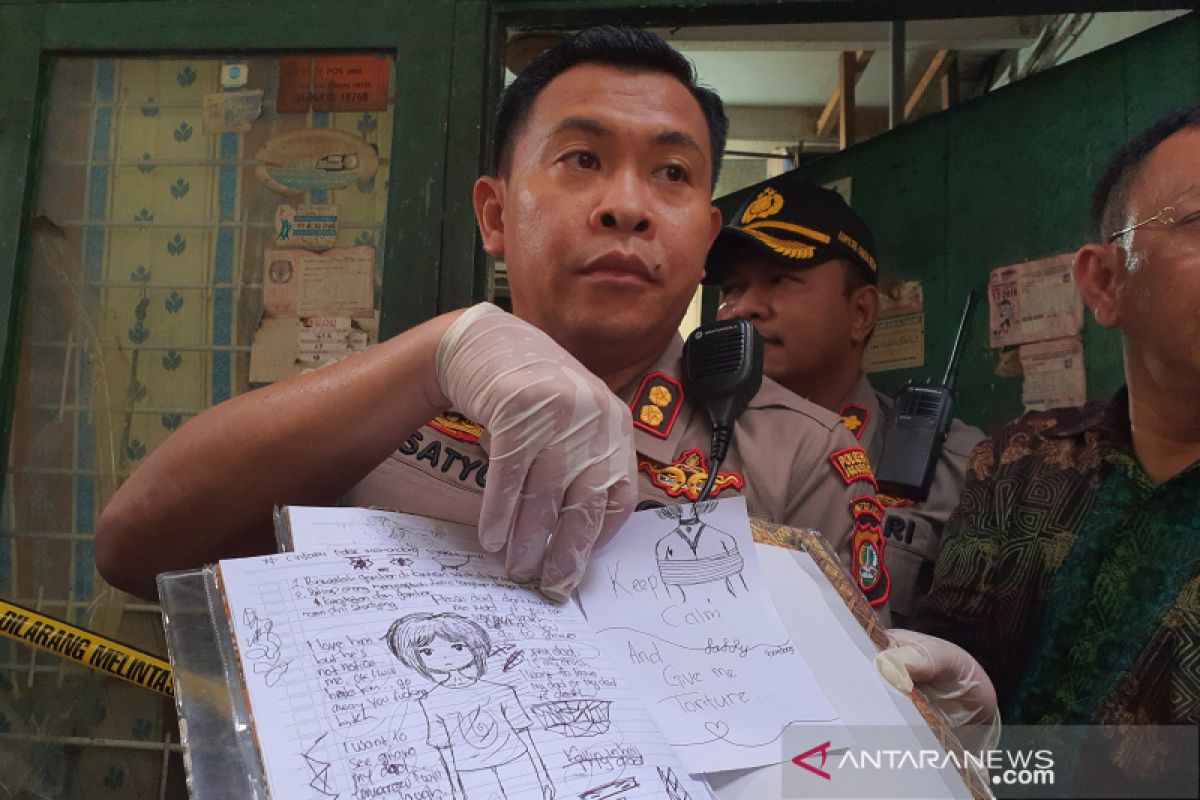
(948, 675)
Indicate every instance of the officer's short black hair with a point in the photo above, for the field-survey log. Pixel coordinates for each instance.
(611, 45)
(1111, 191)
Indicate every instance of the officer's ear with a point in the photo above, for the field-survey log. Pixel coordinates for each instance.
(1099, 272)
(864, 309)
(488, 199)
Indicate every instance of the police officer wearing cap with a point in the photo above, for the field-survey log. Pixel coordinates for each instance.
(800, 265)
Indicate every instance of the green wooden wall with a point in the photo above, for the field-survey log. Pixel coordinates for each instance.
(1006, 178)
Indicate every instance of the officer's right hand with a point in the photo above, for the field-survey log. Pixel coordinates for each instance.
(562, 471)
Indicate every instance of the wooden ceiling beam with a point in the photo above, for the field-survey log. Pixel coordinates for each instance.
(942, 61)
(830, 113)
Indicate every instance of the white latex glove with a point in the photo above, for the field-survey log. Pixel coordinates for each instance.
(950, 677)
(562, 472)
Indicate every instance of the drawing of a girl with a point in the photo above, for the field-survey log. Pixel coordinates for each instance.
(479, 728)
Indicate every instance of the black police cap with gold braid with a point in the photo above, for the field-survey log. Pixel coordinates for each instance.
(800, 224)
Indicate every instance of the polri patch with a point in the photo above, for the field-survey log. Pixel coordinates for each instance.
(686, 475)
(656, 404)
(853, 465)
(456, 426)
(855, 417)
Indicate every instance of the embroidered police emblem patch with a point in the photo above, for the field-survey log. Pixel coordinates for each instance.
(656, 404)
(868, 566)
(686, 475)
(853, 465)
(768, 203)
(855, 417)
(456, 426)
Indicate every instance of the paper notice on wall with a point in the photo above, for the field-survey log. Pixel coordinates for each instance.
(230, 112)
(285, 347)
(899, 338)
(1054, 375)
(1034, 301)
(336, 283)
(313, 227)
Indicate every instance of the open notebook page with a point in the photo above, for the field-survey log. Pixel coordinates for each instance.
(418, 670)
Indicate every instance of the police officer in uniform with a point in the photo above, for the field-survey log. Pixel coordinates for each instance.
(544, 426)
(801, 266)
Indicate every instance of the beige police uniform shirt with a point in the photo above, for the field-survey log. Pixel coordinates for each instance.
(911, 532)
(793, 461)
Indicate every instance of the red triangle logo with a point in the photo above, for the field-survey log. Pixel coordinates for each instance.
(800, 761)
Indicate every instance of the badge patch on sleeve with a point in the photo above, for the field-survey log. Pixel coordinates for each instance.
(867, 511)
(867, 564)
(855, 417)
(656, 404)
(853, 465)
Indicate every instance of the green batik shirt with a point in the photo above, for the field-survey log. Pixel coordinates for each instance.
(1071, 577)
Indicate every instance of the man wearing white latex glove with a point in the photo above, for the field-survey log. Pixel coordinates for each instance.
(600, 204)
(560, 445)
(952, 680)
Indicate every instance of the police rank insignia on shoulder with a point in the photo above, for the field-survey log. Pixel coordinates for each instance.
(656, 404)
(855, 417)
(866, 550)
(853, 465)
(456, 426)
(686, 475)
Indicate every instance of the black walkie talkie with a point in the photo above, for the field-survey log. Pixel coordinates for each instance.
(917, 427)
(722, 371)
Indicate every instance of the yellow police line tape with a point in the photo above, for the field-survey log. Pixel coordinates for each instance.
(85, 647)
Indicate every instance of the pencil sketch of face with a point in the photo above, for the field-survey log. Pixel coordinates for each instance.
(440, 644)
(442, 655)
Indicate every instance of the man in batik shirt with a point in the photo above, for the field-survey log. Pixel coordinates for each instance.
(1070, 568)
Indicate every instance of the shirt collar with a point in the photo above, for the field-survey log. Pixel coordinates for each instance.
(1109, 418)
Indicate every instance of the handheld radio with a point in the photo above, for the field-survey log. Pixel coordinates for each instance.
(722, 371)
(917, 427)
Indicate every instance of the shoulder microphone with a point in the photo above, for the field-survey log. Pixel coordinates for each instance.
(722, 371)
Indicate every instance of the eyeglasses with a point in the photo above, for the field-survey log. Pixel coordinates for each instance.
(1170, 218)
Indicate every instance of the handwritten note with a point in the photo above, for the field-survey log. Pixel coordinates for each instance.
(677, 598)
(417, 670)
(321, 527)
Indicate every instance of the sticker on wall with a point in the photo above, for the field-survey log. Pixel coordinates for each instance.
(308, 226)
(1054, 374)
(231, 112)
(333, 83)
(1033, 301)
(315, 158)
(284, 346)
(234, 76)
(338, 282)
(899, 338)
